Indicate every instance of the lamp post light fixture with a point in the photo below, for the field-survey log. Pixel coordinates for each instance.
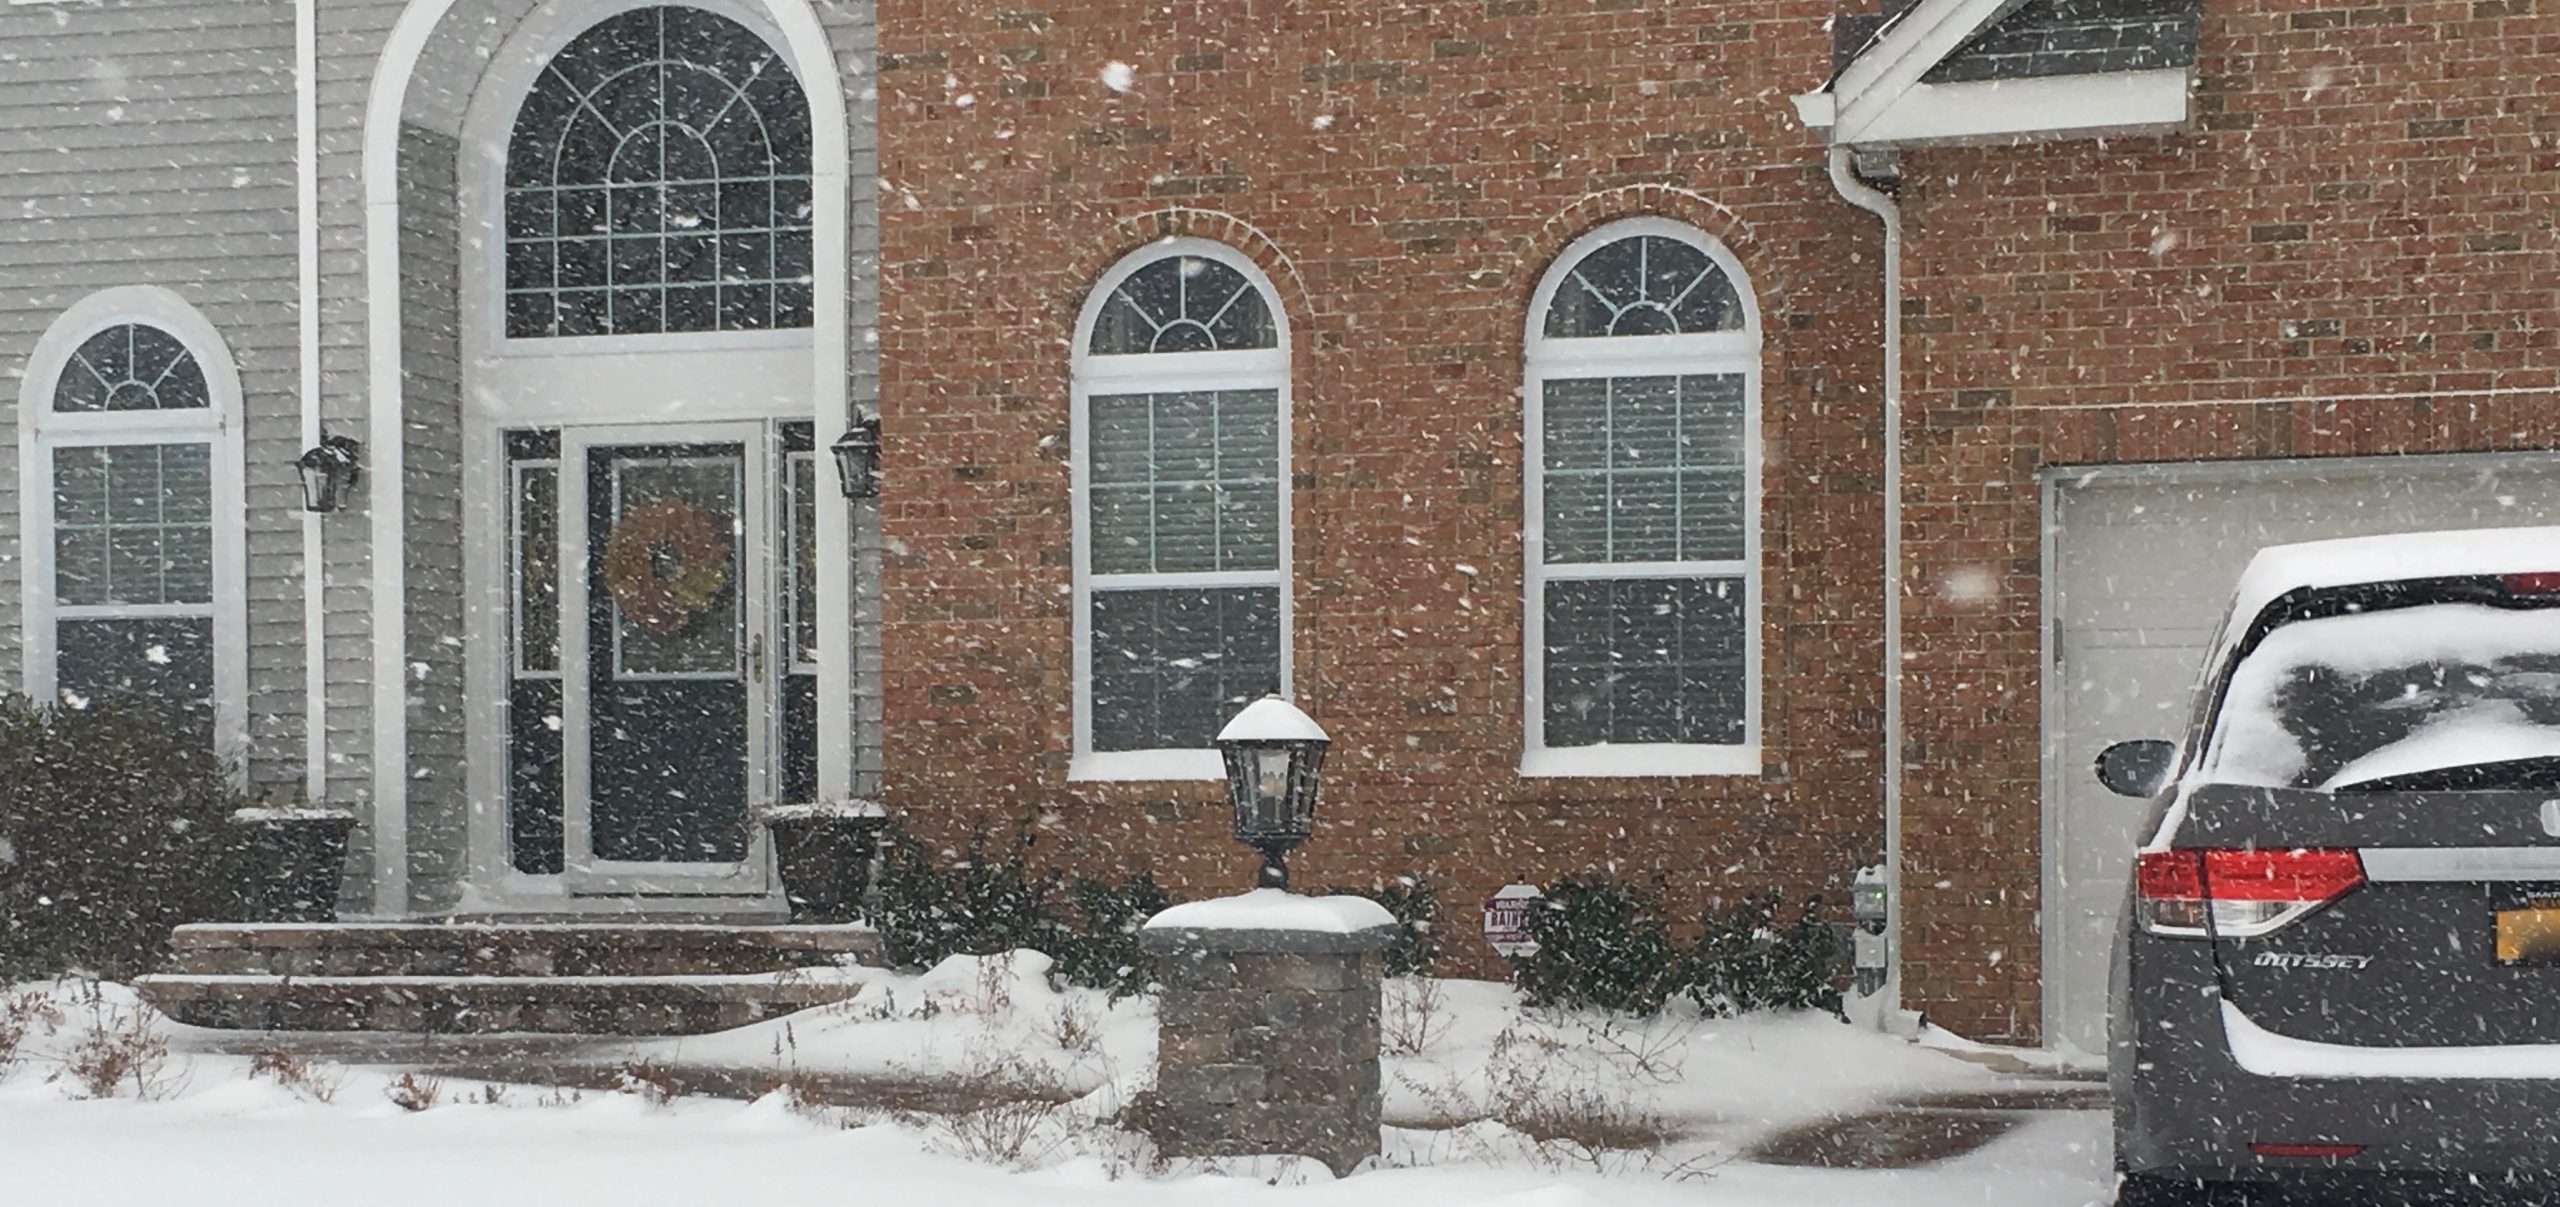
(1273, 754)
(858, 458)
(329, 472)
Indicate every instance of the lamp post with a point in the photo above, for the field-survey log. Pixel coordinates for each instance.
(1273, 754)
(328, 472)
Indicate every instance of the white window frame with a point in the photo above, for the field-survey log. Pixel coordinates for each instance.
(1157, 373)
(1721, 352)
(217, 426)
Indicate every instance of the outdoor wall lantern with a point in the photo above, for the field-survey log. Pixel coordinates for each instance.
(329, 472)
(858, 458)
(1273, 753)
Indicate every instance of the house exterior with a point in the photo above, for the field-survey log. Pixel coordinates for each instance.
(529, 257)
(1729, 445)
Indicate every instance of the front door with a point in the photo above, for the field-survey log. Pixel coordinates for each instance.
(666, 683)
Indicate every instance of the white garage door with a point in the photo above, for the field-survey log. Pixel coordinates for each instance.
(2141, 563)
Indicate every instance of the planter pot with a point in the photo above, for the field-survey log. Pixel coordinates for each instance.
(292, 860)
(824, 856)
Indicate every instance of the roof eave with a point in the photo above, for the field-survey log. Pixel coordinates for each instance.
(2112, 104)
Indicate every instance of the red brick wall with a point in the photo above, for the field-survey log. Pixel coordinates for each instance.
(2366, 207)
(1467, 144)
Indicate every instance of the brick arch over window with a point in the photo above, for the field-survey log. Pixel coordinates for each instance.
(1642, 366)
(1535, 252)
(1132, 234)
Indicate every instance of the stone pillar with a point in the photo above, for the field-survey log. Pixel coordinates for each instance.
(1267, 1036)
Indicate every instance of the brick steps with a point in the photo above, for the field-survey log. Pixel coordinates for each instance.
(485, 1005)
(518, 949)
(482, 978)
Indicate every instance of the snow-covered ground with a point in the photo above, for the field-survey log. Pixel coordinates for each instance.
(216, 1135)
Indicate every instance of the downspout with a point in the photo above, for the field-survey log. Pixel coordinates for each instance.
(1875, 201)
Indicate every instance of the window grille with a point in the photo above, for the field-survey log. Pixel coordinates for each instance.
(658, 180)
(1182, 409)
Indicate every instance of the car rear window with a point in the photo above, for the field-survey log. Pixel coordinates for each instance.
(2390, 698)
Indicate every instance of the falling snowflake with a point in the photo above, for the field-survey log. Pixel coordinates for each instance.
(1118, 76)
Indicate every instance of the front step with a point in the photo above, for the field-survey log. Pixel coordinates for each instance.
(476, 978)
(512, 949)
(643, 1005)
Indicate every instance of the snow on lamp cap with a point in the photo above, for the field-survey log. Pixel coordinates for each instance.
(1272, 719)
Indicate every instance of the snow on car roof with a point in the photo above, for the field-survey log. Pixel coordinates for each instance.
(2401, 555)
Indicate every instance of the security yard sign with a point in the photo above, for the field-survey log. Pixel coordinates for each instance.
(1506, 919)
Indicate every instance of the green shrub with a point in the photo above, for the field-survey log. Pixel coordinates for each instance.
(981, 903)
(1104, 953)
(1602, 945)
(1747, 962)
(1416, 910)
(114, 827)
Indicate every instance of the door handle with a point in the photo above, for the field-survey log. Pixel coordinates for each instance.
(755, 657)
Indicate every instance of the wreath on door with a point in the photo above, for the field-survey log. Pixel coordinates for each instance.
(665, 562)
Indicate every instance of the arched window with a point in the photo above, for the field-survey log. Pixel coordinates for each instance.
(133, 581)
(1642, 506)
(1182, 504)
(658, 181)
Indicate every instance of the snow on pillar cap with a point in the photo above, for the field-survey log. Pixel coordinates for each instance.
(1272, 719)
(1271, 909)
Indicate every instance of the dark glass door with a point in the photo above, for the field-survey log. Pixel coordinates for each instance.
(666, 666)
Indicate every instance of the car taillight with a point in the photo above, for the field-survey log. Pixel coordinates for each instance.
(2538, 582)
(2239, 894)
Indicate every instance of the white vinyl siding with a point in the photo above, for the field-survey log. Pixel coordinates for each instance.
(1642, 501)
(1182, 561)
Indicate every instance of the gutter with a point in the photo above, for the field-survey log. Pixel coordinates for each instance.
(1875, 201)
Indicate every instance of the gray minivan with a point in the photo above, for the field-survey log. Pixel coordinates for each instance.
(2339, 969)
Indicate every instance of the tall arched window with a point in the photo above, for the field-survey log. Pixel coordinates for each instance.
(1182, 505)
(133, 570)
(1642, 506)
(658, 181)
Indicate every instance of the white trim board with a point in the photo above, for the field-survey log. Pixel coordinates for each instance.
(306, 187)
(1999, 111)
